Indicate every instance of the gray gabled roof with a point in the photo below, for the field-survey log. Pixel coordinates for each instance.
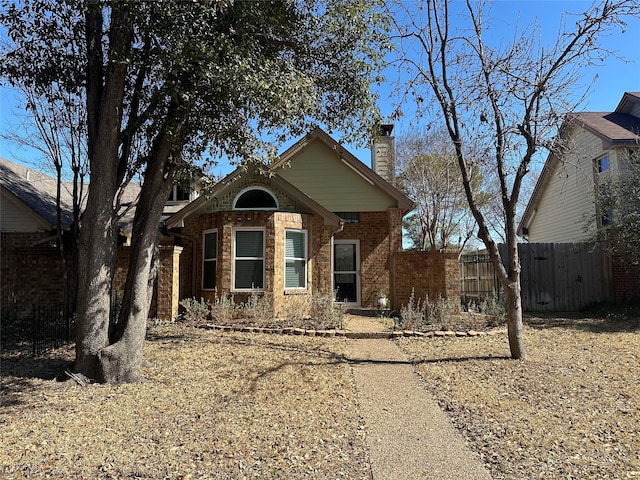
(614, 128)
(37, 191)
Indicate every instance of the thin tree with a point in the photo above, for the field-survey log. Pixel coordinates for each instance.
(429, 174)
(53, 125)
(167, 83)
(505, 99)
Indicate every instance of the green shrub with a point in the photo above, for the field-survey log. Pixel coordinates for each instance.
(258, 309)
(222, 309)
(440, 311)
(296, 310)
(495, 308)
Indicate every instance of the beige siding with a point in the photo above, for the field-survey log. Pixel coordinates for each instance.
(17, 217)
(322, 175)
(620, 164)
(569, 200)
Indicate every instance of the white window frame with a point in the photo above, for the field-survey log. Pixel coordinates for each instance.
(233, 252)
(305, 259)
(174, 193)
(357, 270)
(213, 260)
(599, 163)
(255, 187)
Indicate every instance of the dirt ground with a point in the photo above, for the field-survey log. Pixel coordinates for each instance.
(572, 411)
(216, 405)
(232, 405)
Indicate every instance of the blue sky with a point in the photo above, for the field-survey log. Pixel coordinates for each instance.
(610, 80)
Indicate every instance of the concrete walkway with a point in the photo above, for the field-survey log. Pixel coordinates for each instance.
(408, 435)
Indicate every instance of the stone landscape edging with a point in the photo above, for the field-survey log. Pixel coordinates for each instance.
(354, 335)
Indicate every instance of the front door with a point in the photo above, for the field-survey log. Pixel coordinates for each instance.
(346, 271)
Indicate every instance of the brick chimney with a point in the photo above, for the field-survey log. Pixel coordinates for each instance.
(383, 153)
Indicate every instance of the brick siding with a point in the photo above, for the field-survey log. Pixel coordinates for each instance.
(274, 223)
(30, 274)
(436, 274)
(626, 281)
(166, 294)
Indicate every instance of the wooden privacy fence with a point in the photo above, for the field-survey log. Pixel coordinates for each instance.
(555, 277)
(478, 280)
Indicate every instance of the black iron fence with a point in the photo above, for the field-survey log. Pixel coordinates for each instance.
(53, 326)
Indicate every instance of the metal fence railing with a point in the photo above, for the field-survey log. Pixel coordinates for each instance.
(53, 326)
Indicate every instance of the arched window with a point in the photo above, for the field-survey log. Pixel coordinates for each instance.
(255, 198)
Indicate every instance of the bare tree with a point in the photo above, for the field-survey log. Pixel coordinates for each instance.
(505, 99)
(429, 174)
(54, 127)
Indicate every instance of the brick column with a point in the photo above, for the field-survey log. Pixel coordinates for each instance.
(395, 247)
(168, 282)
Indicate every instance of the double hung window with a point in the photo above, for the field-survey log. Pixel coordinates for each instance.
(248, 259)
(603, 164)
(295, 253)
(210, 259)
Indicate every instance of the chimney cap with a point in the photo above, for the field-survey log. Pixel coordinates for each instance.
(385, 129)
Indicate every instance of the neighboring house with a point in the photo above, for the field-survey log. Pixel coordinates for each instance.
(31, 267)
(317, 221)
(28, 200)
(563, 206)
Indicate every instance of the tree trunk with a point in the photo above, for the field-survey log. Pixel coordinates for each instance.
(511, 284)
(510, 280)
(98, 234)
(120, 361)
(514, 320)
(96, 267)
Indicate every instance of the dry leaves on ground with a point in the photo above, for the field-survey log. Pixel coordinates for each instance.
(572, 411)
(216, 406)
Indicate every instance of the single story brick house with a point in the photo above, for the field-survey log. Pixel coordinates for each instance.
(317, 221)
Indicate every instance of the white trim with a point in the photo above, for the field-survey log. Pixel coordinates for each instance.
(204, 233)
(255, 187)
(599, 159)
(233, 258)
(305, 259)
(355, 242)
